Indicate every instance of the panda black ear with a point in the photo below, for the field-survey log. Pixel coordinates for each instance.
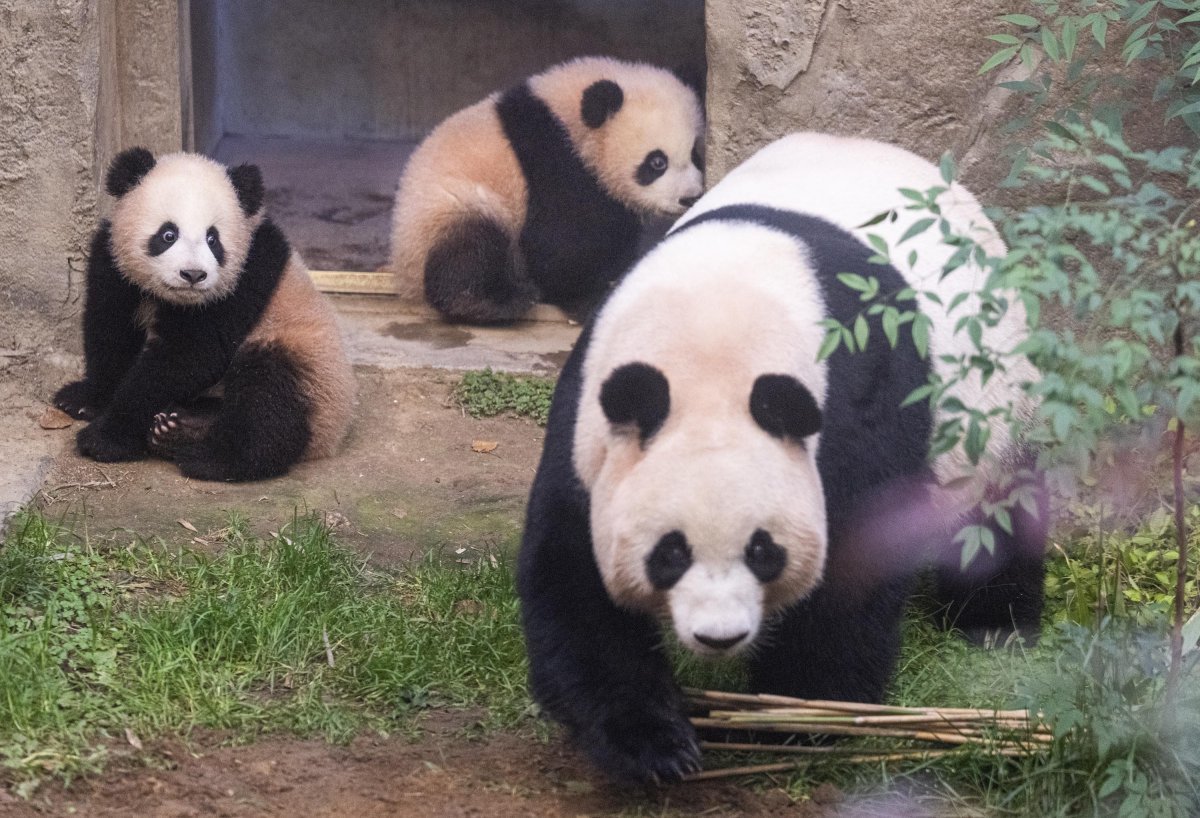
(636, 394)
(127, 170)
(601, 100)
(248, 182)
(784, 408)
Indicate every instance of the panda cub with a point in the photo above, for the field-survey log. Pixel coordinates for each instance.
(538, 193)
(204, 339)
(703, 467)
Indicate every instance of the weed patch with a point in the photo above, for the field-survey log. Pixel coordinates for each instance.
(486, 394)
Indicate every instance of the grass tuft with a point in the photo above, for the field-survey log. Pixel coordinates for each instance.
(292, 633)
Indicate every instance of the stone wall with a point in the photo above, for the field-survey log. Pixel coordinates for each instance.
(79, 79)
(901, 72)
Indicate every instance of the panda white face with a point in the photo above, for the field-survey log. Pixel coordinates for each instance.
(698, 433)
(638, 127)
(180, 233)
(651, 149)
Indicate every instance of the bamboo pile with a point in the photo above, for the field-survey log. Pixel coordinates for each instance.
(946, 730)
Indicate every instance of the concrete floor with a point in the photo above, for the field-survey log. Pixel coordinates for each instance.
(407, 478)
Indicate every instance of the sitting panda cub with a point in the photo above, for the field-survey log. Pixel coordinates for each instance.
(191, 291)
(537, 193)
(702, 466)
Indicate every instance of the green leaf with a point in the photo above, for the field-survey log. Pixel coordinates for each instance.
(1191, 633)
(1003, 519)
(920, 225)
(1100, 29)
(877, 241)
(1050, 45)
(1022, 20)
(1186, 109)
(919, 394)
(999, 58)
(1004, 39)
(833, 338)
(920, 334)
(891, 326)
(874, 220)
(947, 167)
(1095, 184)
(1070, 34)
(861, 331)
(1132, 52)
(854, 281)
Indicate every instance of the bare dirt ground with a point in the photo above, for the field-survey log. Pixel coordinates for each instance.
(444, 772)
(407, 479)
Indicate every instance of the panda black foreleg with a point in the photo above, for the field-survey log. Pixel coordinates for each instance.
(163, 374)
(111, 335)
(262, 427)
(841, 643)
(1000, 594)
(474, 274)
(599, 670)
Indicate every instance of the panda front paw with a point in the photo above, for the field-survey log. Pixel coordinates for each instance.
(94, 442)
(77, 399)
(651, 745)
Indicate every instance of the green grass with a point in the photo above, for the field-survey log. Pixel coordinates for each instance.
(486, 393)
(99, 635)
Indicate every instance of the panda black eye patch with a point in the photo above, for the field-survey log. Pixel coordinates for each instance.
(652, 167)
(636, 394)
(669, 561)
(764, 557)
(784, 408)
(166, 235)
(213, 237)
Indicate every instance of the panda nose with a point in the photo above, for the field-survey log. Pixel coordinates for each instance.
(717, 643)
(193, 276)
(688, 201)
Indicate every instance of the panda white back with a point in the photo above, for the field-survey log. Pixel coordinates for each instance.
(848, 181)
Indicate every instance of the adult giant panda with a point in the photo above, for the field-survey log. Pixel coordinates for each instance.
(190, 288)
(702, 465)
(538, 193)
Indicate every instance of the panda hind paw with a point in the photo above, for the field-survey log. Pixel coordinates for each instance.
(645, 746)
(174, 433)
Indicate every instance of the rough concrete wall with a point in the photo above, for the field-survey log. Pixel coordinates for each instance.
(371, 70)
(902, 72)
(49, 82)
(147, 49)
(79, 80)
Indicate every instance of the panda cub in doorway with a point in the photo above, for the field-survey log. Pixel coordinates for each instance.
(205, 341)
(538, 193)
(702, 466)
